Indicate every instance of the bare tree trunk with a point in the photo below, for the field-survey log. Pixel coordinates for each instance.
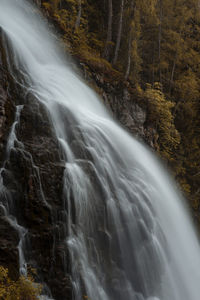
(109, 31)
(38, 2)
(130, 44)
(129, 57)
(78, 19)
(159, 39)
(153, 64)
(172, 75)
(119, 34)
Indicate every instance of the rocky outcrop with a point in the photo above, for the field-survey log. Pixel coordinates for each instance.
(123, 102)
(34, 176)
(31, 189)
(8, 235)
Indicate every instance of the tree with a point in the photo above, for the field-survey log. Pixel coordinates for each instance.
(22, 289)
(78, 19)
(119, 33)
(130, 40)
(109, 31)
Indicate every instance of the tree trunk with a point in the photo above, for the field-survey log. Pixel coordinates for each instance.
(129, 57)
(159, 39)
(78, 19)
(109, 31)
(153, 64)
(119, 34)
(38, 2)
(172, 75)
(128, 68)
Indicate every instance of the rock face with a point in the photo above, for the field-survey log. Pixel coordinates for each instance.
(8, 236)
(128, 113)
(123, 104)
(38, 170)
(31, 204)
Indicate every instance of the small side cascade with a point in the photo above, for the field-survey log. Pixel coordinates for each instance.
(8, 207)
(7, 203)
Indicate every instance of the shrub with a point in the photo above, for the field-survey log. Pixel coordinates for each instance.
(22, 289)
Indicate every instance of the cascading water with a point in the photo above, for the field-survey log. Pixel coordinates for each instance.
(6, 201)
(128, 234)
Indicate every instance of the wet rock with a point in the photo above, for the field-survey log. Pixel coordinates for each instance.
(9, 240)
(6, 117)
(121, 102)
(38, 169)
(8, 235)
(33, 177)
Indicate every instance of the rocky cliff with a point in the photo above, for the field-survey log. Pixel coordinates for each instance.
(31, 184)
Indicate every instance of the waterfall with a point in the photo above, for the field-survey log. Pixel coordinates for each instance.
(128, 233)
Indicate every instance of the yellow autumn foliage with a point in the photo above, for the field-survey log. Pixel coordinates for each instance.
(160, 114)
(22, 289)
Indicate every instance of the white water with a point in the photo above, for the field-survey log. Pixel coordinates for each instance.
(129, 235)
